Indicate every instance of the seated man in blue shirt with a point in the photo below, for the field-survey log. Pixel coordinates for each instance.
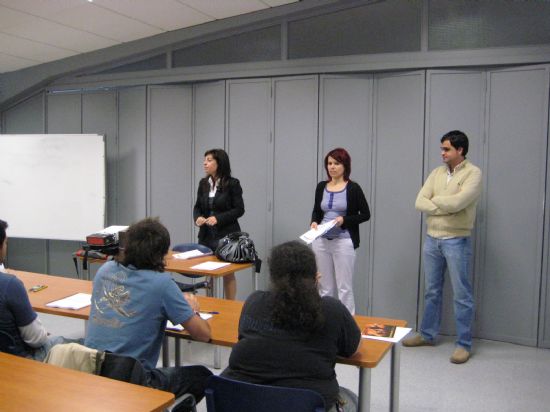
(17, 317)
(131, 302)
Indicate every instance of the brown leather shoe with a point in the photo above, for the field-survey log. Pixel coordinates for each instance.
(416, 340)
(460, 355)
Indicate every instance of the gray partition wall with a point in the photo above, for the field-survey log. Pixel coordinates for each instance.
(169, 167)
(515, 200)
(295, 125)
(397, 175)
(128, 183)
(250, 148)
(346, 121)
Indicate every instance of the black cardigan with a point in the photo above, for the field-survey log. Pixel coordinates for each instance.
(227, 208)
(358, 209)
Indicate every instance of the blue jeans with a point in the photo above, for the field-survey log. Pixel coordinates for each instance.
(452, 254)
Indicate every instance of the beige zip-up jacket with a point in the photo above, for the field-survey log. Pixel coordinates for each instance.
(451, 207)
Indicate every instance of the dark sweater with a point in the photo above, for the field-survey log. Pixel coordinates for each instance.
(358, 209)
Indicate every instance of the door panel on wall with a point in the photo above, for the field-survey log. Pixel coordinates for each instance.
(249, 111)
(25, 118)
(208, 126)
(516, 171)
(346, 121)
(454, 101)
(170, 166)
(99, 116)
(544, 317)
(295, 155)
(397, 176)
(129, 202)
(64, 113)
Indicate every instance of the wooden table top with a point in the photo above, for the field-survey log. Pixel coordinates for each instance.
(184, 266)
(30, 385)
(224, 325)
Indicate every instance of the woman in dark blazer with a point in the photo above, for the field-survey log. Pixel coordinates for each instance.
(218, 207)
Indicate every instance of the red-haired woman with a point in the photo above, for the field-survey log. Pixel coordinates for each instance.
(340, 199)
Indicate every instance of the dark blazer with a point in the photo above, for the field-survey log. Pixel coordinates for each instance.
(358, 209)
(228, 207)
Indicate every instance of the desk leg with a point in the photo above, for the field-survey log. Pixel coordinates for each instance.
(255, 277)
(394, 377)
(217, 291)
(177, 351)
(364, 389)
(165, 352)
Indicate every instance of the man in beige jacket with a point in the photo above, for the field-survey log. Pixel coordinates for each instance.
(449, 197)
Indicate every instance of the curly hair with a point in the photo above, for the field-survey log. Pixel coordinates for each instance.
(147, 243)
(297, 304)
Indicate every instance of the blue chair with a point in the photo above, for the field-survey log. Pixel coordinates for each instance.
(7, 343)
(192, 287)
(227, 395)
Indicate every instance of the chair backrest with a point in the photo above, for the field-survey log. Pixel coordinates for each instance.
(127, 369)
(7, 343)
(186, 247)
(227, 395)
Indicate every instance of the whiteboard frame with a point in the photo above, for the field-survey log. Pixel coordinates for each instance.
(53, 186)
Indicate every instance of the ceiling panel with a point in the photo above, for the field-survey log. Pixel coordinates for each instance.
(222, 9)
(42, 8)
(60, 36)
(15, 63)
(31, 50)
(164, 14)
(34, 31)
(106, 23)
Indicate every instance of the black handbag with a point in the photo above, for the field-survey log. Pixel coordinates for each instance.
(237, 247)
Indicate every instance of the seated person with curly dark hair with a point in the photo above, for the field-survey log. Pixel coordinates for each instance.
(290, 336)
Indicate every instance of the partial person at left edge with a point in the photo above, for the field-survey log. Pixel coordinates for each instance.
(17, 317)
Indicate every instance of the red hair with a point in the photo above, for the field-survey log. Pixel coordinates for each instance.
(341, 156)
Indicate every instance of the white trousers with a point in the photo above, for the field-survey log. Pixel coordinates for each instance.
(335, 262)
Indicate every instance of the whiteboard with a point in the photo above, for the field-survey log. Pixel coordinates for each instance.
(52, 186)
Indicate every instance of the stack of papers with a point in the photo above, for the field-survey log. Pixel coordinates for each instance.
(77, 301)
(313, 234)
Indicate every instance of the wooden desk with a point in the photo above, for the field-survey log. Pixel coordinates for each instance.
(184, 266)
(224, 327)
(31, 385)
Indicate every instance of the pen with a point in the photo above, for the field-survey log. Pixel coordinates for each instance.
(210, 313)
(37, 288)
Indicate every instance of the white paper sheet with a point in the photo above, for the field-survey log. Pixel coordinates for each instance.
(210, 265)
(188, 255)
(313, 234)
(400, 333)
(171, 326)
(76, 301)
